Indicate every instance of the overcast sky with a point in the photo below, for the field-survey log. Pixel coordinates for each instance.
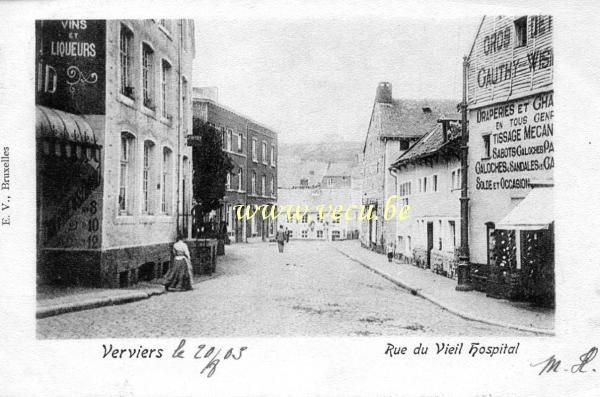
(310, 79)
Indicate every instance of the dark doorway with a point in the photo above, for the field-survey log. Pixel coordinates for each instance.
(239, 228)
(429, 243)
(370, 231)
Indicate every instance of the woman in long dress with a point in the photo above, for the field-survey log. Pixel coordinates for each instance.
(180, 275)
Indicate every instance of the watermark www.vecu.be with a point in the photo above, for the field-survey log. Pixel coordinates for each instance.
(336, 212)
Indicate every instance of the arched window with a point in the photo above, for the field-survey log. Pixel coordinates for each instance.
(126, 173)
(148, 76)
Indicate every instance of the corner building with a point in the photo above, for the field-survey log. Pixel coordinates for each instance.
(113, 107)
(511, 149)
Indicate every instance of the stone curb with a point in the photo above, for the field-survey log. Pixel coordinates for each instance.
(459, 313)
(93, 303)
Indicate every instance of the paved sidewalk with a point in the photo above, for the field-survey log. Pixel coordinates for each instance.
(473, 305)
(52, 300)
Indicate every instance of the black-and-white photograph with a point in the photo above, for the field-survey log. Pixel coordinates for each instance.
(304, 177)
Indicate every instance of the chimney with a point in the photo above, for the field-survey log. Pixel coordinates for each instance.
(445, 130)
(384, 92)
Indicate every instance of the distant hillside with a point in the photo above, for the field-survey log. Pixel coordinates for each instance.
(336, 151)
(310, 161)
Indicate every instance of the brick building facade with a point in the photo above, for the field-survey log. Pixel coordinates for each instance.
(252, 148)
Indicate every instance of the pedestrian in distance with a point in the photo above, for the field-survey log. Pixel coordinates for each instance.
(287, 235)
(280, 237)
(180, 275)
(391, 251)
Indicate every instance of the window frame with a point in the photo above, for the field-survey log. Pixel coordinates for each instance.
(487, 146)
(166, 183)
(148, 77)
(125, 186)
(520, 28)
(147, 176)
(126, 61)
(165, 71)
(272, 155)
(254, 151)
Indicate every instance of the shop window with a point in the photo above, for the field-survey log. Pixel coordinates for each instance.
(148, 76)
(521, 32)
(319, 234)
(304, 233)
(125, 57)
(486, 147)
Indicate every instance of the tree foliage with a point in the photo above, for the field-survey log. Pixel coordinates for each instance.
(211, 166)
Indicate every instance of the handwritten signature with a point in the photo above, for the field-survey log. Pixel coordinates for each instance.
(552, 364)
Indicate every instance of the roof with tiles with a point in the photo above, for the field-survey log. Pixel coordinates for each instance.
(432, 143)
(409, 118)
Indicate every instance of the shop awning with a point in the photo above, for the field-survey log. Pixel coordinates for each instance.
(56, 124)
(535, 212)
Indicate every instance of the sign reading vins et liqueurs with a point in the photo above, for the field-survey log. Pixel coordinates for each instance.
(71, 65)
(521, 148)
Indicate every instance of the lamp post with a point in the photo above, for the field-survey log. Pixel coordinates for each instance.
(463, 256)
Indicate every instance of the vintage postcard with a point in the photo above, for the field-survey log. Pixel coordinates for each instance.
(311, 199)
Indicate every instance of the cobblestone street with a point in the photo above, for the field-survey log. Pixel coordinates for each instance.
(310, 290)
